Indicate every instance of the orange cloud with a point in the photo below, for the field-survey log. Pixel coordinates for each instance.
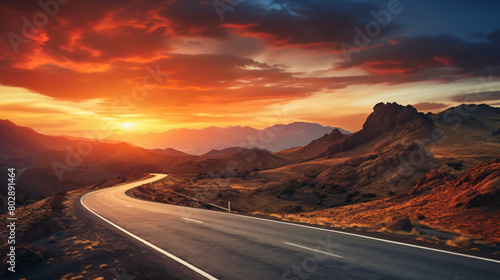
(241, 67)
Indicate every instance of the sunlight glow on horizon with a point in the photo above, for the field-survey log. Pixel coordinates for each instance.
(346, 108)
(127, 126)
(153, 68)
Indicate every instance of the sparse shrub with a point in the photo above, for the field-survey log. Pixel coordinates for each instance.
(353, 194)
(290, 209)
(322, 195)
(456, 165)
(290, 190)
(399, 223)
(56, 203)
(338, 189)
(460, 241)
(372, 157)
(243, 174)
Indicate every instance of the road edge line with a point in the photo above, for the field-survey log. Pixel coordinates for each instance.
(173, 257)
(373, 238)
(334, 231)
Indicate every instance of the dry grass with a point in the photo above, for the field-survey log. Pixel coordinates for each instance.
(460, 241)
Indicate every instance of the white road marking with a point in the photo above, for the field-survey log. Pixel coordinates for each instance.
(358, 235)
(338, 232)
(128, 206)
(345, 233)
(315, 250)
(191, 220)
(175, 258)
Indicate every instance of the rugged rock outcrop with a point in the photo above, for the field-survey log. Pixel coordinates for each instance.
(431, 180)
(395, 122)
(468, 204)
(479, 187)
(386, 118)
(394, 117)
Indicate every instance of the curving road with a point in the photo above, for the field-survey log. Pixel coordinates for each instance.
(217, 245)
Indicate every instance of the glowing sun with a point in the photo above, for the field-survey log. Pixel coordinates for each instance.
(127, 125)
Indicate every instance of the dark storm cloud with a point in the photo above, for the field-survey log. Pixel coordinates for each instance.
(474, 97)
(105, 30)
(310, 24)
(443, 57)
(104, 43)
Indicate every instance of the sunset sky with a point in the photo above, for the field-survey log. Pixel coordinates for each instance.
(158, 65)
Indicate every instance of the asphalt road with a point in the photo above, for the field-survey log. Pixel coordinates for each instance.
(218, 245)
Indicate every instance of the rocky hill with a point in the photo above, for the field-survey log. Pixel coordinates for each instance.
(53, 164)
(229, 163)
(468, 204)
(391, 121)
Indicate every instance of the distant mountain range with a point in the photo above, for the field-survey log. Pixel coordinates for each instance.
(201, 141)
(53, 164)
(396, 148)
(42, 156)
(385, 157)
(231, 150)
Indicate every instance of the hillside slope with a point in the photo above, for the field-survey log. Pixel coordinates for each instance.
(391, 121)
(468, 135)
(232, 162)
(53, 164)
(468, 204)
